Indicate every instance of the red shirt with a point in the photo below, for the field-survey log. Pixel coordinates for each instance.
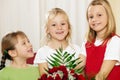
(94, 60)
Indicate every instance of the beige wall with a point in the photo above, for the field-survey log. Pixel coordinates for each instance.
(115, 4)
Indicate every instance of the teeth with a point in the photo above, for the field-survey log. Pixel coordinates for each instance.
(30, 51)
(59, 32)
(96, 24)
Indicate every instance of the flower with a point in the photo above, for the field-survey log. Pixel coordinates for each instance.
(63, 66)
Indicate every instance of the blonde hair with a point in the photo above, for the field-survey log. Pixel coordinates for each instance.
(8, 43)
(111, 25)
(51, 14)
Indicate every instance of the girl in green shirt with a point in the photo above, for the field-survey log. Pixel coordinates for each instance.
(17, 48)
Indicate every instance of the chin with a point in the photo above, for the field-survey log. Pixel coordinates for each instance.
(31, 54)
(61, 39)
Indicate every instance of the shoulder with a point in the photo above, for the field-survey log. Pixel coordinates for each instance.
(3, 74)
(114, 40)
(5, 70)
(44, 49)
(113, 44)
(113, 49)
(116, 37)
(33, 68)
(42, 54)
(2, 70)
(74, 47)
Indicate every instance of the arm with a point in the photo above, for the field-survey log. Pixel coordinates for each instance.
(82, 64)
(42, 67)
(106, 68)
(82, 57)
(82, 60)
(111, 58)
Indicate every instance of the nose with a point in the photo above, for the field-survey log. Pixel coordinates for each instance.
(29, 44)
(94, 19)
(59, 27)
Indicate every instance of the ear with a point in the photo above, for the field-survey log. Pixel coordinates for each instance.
(12, 53)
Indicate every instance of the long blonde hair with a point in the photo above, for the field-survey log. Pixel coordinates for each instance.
(111, 25)
(51, 14)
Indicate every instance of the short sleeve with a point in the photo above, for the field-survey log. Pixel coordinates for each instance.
(39, 58)
(113, 49)
(41, 55)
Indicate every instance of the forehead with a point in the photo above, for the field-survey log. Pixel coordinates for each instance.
(21, 38)
(96, 9)
(63, 16)
(58, 18)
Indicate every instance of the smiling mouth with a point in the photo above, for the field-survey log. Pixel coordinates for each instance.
(95, 24)
(30, 50)
(61, 32)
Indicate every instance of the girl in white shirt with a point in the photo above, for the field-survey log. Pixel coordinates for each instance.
(58, 34)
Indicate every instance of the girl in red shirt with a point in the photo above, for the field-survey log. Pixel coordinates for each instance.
(102, 45)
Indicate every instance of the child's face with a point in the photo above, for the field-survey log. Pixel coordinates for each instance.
(58, 27)
(97, 18)
(23, 48)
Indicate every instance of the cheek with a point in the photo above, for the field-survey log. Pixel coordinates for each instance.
(105, 21)
(48, 30)
(51, 31)
(90, 23)
(67, 31)
(66, 27)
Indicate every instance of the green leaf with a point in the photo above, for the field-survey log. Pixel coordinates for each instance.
(69, 57)
(66, 59)
(58, 56)
(60, 49)
(53, 62)
(72, 63)
(79, 70)
(65, 55)
(59, 52)
(56, 59)
(50, 63)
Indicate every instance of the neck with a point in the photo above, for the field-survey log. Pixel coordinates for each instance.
(55, 44)
(19, 64)
(101, 34)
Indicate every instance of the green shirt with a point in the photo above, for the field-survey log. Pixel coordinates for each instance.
(10, 73)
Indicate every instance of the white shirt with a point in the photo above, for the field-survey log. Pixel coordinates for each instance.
(112, 50)
(44, 52)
